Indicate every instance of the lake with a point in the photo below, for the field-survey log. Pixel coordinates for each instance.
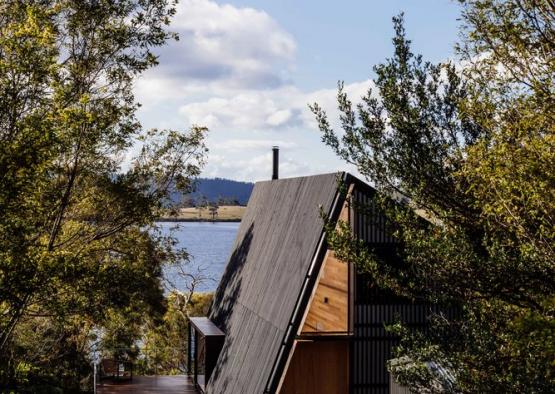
(209, 245)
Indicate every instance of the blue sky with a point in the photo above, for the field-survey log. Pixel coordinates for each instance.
(247, 70)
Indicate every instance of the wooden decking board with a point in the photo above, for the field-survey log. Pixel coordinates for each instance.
(149, 385)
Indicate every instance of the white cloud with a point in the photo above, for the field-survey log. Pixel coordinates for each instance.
(279, 118)
(221, 47)
(230, 72)
(236, 32)
(276, 109)
(247, 110)
(227, 72)
(243, 145)
(254, 168)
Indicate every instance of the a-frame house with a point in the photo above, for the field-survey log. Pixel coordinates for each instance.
(288, 317)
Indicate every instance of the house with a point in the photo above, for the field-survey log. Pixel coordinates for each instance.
(288, 316)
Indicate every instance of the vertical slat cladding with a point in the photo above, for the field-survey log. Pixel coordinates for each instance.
(370, 223)
(373, 346)
(369, 229)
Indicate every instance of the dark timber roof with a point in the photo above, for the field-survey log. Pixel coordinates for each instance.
(264, 278)
(205, 327)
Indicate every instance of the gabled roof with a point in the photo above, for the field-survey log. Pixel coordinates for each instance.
(267, 277)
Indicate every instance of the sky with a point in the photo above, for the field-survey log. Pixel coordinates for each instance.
(247, 70)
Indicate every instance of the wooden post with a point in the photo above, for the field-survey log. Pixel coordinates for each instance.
(189, 370)
(195, 360)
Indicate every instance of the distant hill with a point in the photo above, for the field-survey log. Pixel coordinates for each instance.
(219, 188)
(226, 191)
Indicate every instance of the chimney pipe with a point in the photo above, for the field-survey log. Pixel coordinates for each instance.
(275, 150)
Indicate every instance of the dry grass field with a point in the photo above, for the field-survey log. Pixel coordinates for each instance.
(225, 212)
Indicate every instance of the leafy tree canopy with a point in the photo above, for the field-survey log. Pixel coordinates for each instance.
(471, 147)
(76, 244)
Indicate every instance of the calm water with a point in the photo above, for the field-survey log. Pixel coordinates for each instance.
(209, 245)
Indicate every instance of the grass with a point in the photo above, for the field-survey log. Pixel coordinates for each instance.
(225, 213)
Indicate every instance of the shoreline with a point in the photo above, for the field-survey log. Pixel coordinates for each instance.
(172, 220)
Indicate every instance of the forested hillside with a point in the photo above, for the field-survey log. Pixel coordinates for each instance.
(221, 190)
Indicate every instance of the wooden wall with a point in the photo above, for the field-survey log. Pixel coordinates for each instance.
(319, 367)
(329, 309)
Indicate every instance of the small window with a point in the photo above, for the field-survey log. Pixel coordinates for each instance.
(205, 343)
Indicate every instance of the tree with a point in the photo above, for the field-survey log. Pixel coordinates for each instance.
(165, 345)
(213, 209)
(202, 204)
(471, 150)
(78, 245)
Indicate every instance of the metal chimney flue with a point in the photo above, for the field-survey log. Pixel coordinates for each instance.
(275, 172)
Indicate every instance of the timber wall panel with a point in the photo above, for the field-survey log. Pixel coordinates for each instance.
(329, 309)
(320, 367)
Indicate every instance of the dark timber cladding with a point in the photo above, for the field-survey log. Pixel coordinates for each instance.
(205, 341)
(372, 345)
(255, 302)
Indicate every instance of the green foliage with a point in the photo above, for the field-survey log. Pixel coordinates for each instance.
(165, 346)
(464, 157)
(79, 251)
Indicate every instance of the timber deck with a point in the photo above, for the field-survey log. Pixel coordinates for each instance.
(149, 385)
